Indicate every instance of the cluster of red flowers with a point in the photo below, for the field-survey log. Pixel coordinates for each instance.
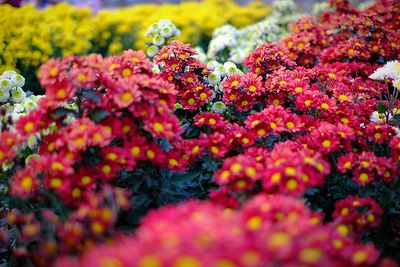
(128, 96)
(90, 223)
(289, 168)
(325, 109)
(267, 58)
(122, 109)
(358, 214)
(346, 35)
(180, 66)
(266, 232)
(367, 167)
(273, 119)
(242, 90)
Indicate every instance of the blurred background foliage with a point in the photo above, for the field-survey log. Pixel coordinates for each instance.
(31, 34)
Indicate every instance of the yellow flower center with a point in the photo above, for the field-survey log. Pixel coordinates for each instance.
(29, 126)
(26, 183)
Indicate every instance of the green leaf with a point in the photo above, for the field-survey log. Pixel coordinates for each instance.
(182, 178)
(59, 113)
(382, 107)
(98, 115)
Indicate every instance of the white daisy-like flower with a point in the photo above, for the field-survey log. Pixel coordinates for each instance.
(15, 116)
(230, 41)
(237, 58)
(218, 107)
(18, 108)
(319, 8)
(215, 46)
(152, 51)
(18, 95)
(230, 67)
(158, 40)
(390, 70)
(69, 119)
(214, 78)
(166, 32)
(164, 22)
(18, 81)
(29, 104)
(32, 141)
(378, 118)
(152, 29)
(177, 32)
(212, 64)
(156, 69)
(4, 96)
(220, 70)
(8, 74)
(5, 84)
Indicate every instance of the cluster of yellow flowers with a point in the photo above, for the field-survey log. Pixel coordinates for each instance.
(28, 37)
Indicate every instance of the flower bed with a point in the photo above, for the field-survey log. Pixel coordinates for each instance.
(291, 158)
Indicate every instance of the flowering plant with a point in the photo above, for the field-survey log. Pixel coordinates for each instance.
(297, 123)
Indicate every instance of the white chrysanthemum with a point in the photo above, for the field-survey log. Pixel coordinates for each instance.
(225, 30)
(8, 74)
(220, 70)
(4, 96)
(164, 22)
(230, 67)
(319, 8)
(156, 69)
(218, 107)
(29, 104)
(214, 78)
(365, 4)
(152, 51)
(5, 84)
(378, 118)
(230, 41)
(18, 81)
(236, 58)
(152, 29)
(15, 116)
(215, 46)
(212, 64)
(18, 95)
(158, 40)
(283, 6)
(177, 33)
(32, 141)
(166, 32)
(18, 108)
(390, 70)
(69, 119)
